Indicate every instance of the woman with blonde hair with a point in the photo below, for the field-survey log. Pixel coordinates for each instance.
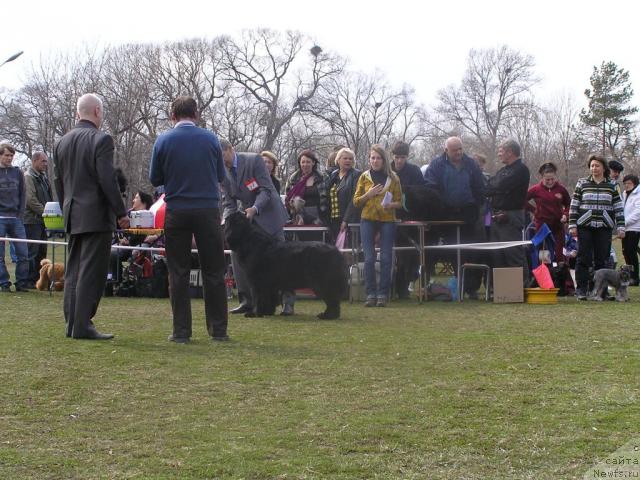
(378, 194)
(341, 185)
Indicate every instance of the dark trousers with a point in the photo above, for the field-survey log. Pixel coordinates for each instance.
(594, 249)
(469, 233)
(84, 279)
(509, 230)
(630, 251)
(204, 225)
(407, 261)
(37, 251)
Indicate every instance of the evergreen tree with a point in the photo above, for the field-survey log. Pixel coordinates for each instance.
(610, 114)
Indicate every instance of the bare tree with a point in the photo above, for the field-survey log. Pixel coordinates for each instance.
(263, 62)
(495, 87)
(563, 120)
(359, 110)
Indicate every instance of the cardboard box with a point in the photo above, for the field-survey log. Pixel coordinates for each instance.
(507, 285)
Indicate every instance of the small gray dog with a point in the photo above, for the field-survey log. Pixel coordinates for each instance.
(618, 279)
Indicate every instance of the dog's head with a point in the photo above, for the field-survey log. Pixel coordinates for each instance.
(625, 273)
(297, 204)
(422, 203)
(237, 229)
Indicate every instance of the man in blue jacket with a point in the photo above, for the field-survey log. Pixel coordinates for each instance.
(460, 183)
(187, 160)
(12, 205)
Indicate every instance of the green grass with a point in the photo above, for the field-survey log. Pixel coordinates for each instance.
(437, 391)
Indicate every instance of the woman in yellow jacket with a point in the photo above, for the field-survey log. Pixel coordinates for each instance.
(378, 193)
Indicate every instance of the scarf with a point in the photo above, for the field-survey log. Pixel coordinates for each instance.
(378, 177)
(298, 189)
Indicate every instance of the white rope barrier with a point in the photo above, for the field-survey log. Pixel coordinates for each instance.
(480, 246)
(461, 246)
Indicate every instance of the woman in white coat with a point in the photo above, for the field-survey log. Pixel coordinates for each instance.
(631, 198)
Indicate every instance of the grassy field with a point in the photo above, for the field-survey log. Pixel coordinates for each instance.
(436, 391)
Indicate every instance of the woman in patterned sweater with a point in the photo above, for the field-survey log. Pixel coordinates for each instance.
(596, 210)
(378, 193)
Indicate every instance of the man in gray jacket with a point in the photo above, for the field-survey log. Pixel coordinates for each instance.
(38, 194)
(249, 184)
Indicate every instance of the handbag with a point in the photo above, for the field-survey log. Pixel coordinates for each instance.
(341, 239)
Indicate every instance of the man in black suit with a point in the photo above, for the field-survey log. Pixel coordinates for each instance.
(85, 180)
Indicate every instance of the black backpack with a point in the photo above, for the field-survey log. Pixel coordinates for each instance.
(160, 279)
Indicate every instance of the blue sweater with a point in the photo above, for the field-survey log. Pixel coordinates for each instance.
(187, 160)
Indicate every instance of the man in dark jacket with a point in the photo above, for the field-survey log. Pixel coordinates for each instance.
(507, 190)
(12, 202)
(407, 262)
(85, 181)
(460, 183)
(38, 194)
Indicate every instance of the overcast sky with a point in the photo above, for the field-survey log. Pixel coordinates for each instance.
(423, 44)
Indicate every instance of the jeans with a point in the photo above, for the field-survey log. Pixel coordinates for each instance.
(13, 227)
(368, 230)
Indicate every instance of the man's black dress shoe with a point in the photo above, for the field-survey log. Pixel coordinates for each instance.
(171, 338)
(242, 309)
(220, 338)
(94, 335)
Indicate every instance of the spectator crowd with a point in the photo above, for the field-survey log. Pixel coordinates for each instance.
(204, 179)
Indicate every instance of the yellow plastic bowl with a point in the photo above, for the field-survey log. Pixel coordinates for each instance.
(541, 296)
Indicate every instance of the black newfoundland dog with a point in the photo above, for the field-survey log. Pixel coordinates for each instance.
(273, 266)
(423, 203)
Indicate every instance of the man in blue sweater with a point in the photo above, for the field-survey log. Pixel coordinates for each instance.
(187, 160)
(12, 205)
